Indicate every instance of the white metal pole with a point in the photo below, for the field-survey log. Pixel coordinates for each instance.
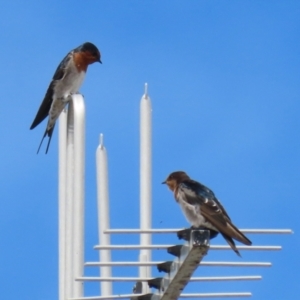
(62, 146)
(145, 183)
(192, 279)
(198, 295)
(69, 203)
(155, 263)
(78, 194)
(169, 230)
(161, 247)
(103, 214)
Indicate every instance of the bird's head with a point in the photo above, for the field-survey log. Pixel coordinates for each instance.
(175, 178)
(90, 52)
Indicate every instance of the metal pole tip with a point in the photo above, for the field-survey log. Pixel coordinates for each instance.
(146, 90)
(101, 140)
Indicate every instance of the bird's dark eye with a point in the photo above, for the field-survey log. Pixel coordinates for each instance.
(95, 54)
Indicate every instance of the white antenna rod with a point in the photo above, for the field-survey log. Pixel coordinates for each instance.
(192, 279)
(62, 146)
(198, 295)
(161, 247)
(145, 183)
(155, 263)
(78, 196)
(103, 214)
(69, 202)
(71, 198)
(175, 230)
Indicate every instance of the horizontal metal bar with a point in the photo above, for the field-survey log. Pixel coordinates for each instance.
(202, 295)
(255, 248)
(154, 263)
(235, 264)
(216, 295)
(159, 247)
(175, 230)
(125, 296)
(192, 279)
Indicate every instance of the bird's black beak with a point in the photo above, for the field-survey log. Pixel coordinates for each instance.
(164, 182)
(100, 61)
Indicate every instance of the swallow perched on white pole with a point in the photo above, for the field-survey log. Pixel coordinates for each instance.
(66, 81)
(202, 209)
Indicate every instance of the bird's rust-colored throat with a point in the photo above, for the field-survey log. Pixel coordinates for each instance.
(171, 184)
(83, 59)
(175, 178)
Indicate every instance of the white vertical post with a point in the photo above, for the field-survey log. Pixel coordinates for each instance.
(78, 196)
(69, 203)
(62, 146)
(103, 214)
(71, 199)
(145, 183)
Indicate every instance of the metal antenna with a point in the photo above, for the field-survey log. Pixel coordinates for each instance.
(188, 254)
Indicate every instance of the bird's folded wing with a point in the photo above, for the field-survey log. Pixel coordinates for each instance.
(61, 69)
(46, 104)
(211, 209)
(196, 193)
(44, 108)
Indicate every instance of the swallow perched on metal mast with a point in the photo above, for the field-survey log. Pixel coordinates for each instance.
(66, 81)
(202, 209)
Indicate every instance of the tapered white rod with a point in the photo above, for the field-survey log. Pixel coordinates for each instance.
(192, 279)
(145, 182)
(155, 263)
(151, 231)
(202, 295)
(69, 273)
(62, 146)
(103, 214)
(78, 194)
(160, 247)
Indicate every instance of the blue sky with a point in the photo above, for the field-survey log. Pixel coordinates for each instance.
(224, 82)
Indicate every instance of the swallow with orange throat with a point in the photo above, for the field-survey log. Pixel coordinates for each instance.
(66, 81)
(202, 209)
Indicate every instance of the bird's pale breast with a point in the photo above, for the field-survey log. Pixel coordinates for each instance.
(70, 83)
(63, 88)
(193, 213)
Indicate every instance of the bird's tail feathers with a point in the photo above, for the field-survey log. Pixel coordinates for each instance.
(45, 134)
(237, 235)
(231, 243)
(49, 133)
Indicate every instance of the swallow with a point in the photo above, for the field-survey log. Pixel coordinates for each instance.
(202, 209)
(66, 81)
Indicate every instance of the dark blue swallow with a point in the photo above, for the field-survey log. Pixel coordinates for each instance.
(66, 81)
(202, 209)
